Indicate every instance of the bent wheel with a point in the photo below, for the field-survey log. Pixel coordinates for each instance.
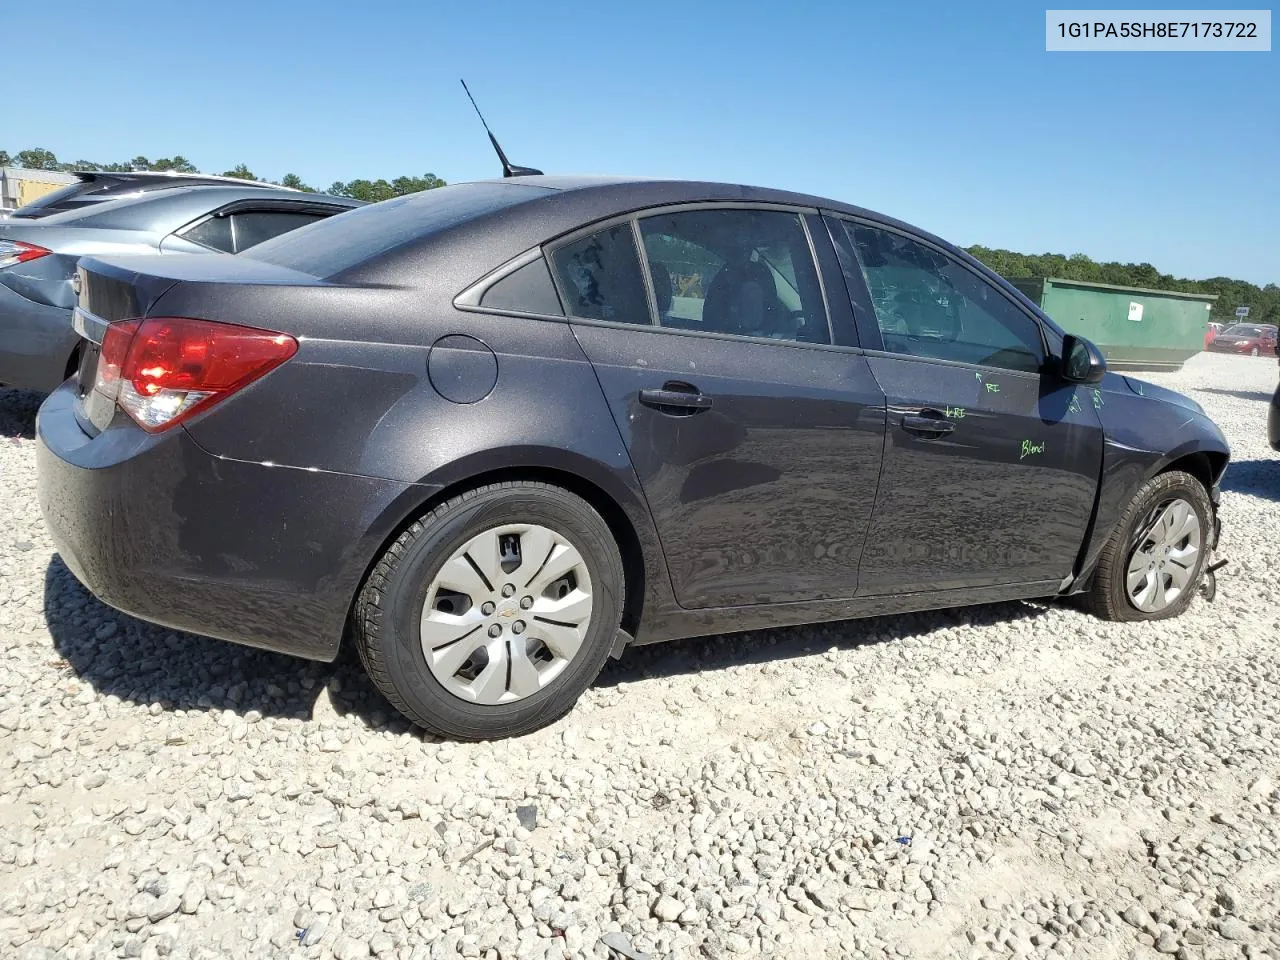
(1151, 567)
(1164, 556)
(491, 615)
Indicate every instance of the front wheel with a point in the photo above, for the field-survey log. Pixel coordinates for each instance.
(1152, 565)
(1255, 352)
(492, 614)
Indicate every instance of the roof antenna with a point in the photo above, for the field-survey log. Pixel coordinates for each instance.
(508, 170)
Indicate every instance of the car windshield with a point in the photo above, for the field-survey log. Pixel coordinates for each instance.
(1244, 330)
(332, 246)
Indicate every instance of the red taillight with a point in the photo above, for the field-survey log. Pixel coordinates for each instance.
(15, 251)
(161, 370)
(115, 348)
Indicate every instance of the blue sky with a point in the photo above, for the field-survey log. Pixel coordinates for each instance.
(948, 116)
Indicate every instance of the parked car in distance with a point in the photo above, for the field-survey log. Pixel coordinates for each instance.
(1254, 339)
(38, 258)
(1213, 329)
(98, 186)
(502, 430)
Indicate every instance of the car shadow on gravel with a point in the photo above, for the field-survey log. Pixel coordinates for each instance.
(152, 666)
(723, 651)
(119, 655)
(18, 413)
(1257, 478)
(1262, 396)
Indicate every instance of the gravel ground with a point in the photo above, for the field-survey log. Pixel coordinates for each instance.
(1017, 779)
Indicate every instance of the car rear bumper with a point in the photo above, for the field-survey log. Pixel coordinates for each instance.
(160, 529)
(36, 342)
(1273, 420)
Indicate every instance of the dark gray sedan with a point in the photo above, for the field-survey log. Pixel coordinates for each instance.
(497, 432)
(38, 258)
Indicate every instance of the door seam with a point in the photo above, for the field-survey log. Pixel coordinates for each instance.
(622, 441)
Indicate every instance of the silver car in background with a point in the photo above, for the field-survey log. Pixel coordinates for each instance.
(38, 258)
(100, 186)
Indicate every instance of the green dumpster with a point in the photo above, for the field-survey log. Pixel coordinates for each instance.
(1136, 329)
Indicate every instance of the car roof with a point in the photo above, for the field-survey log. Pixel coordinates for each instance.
(624, 193)
(680, 189)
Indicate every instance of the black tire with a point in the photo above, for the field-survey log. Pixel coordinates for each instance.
(387, 611)
(1106, 597)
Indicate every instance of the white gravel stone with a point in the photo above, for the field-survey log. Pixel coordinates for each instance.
(1062, 787)
(668, 909)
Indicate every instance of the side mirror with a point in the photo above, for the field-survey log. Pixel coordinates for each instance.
(1082, 362)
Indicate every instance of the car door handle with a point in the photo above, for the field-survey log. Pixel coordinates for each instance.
(929, 427)
(681, 397)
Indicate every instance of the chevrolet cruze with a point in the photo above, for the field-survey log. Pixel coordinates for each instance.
(497, 432)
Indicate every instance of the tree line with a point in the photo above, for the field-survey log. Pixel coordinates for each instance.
(369, 190)
(1263, 302)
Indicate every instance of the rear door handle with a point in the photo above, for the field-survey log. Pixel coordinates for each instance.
(681, 397)
(928, 424)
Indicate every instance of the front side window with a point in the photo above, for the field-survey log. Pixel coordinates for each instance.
(742, 272)
(600, 277)
(928, 304)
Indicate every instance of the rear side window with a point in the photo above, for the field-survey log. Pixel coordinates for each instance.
(257, 226)
(214, 233)
(526, 290)
(600, 277)
(340, 243)
(749, 273)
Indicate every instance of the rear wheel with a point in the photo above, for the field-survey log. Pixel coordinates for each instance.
(493, 613)
(1152, 565)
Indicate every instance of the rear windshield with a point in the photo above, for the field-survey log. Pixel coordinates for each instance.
(331, 246)
(62, 194)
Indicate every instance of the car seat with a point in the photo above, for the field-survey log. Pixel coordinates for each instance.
(743, 299)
